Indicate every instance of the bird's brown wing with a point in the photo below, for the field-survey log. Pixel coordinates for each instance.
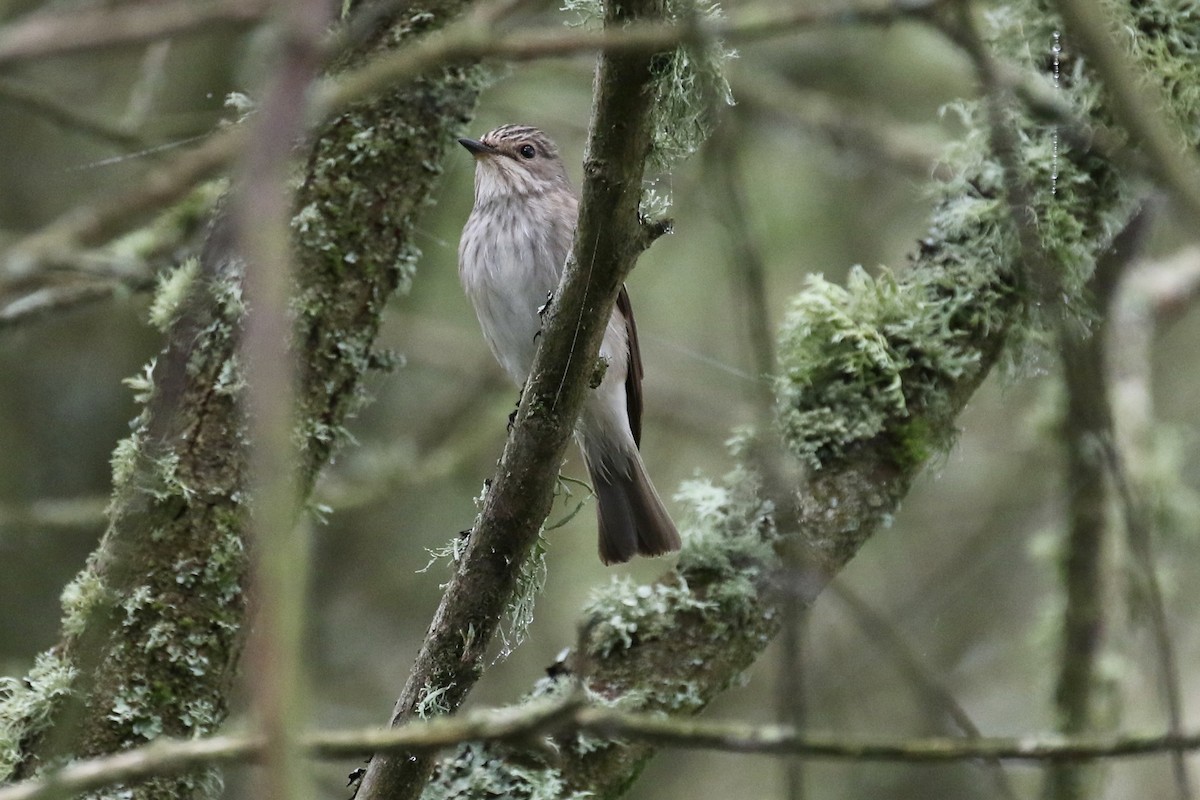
(633, 374)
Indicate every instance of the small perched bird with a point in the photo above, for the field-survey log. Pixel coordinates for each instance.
(510, 257)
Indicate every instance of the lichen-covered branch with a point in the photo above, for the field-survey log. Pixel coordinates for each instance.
(153, 627)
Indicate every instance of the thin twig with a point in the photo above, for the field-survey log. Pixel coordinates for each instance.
(67, 117)
(523, 724)
(1086, 420)
(96, 223)
(44, 34)
(54, 299)
(883, 635)
(93, 224)
(912, 150)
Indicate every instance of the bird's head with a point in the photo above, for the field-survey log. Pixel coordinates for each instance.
(515, 160)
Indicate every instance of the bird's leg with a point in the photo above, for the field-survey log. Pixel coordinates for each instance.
(512, 417)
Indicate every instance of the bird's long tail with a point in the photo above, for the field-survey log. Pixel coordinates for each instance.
(631, 516)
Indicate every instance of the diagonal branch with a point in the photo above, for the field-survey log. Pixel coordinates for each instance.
(609, 237)
(94, 223)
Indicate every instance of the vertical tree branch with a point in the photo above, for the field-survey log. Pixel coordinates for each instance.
(1086, 427)
(263, 207)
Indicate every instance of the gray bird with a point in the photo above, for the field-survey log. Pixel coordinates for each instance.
(510, 257)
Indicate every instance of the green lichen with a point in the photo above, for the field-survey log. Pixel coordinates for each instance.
(173, 287)
(856, 362)
(865, 363)
(519, 613)
(79, 599)
(142, 384)
(124, 460)
(728, 532)
(689, 85)
(27, 706)
(431, 702)
(624, 612)
(180, 221)
(477, 771)
(183, 646)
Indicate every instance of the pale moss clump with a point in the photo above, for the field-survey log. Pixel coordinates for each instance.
(855, 362)
(519, 612)
(27, 705)
(477, 770)
(625, 612)
(689, 82)
(884, 360)
(690, 87)
(79, 598)
(728, 534)
(173, 287)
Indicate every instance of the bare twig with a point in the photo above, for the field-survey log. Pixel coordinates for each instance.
(93, 224)
(1086, 421)
(96, 223)
(45, 34)
(67, 117)
(53, 299)
(885, 637)
(65, 512)
(1148, 299)
(473, 38)
(523, 724)
(908, 149)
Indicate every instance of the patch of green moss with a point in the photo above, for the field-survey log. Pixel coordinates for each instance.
(477, 771)
(27, 705)
(861, 364)
(856, 361)
(690, 85)
(728, 532)
(82, 596)
(173, 287)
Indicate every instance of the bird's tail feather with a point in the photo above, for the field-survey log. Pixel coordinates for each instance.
(631, 516)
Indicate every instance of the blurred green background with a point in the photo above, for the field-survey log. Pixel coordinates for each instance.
(966, 575)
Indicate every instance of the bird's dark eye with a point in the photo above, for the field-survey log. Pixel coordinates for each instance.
(527, 151)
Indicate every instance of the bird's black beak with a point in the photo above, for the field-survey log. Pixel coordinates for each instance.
(477, 147)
